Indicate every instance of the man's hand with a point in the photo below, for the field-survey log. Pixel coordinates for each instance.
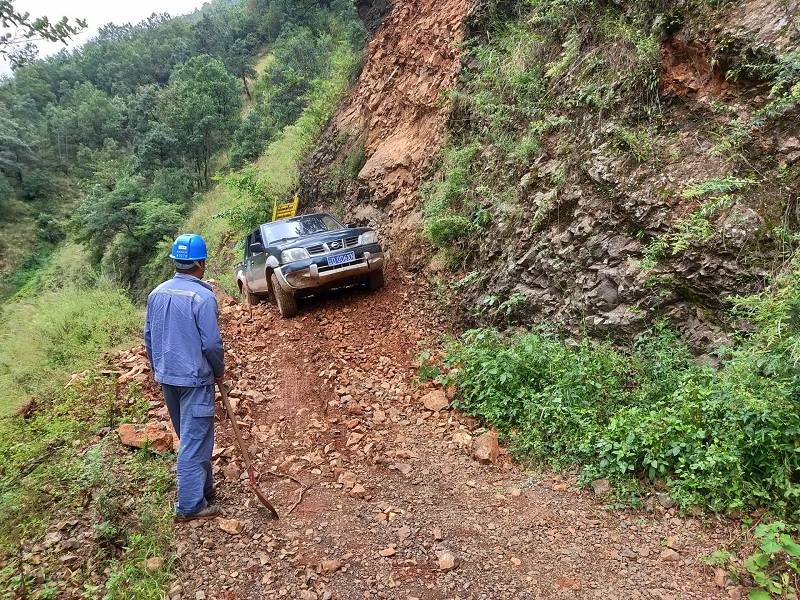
(219, 380)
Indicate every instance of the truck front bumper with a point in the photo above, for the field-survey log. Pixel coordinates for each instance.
(316, 275)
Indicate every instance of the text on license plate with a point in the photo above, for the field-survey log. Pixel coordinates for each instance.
(341, 259)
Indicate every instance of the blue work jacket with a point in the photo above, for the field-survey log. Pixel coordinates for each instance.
(181, 333)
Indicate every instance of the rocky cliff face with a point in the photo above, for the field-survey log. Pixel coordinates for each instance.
(393, 119)
(626, 211)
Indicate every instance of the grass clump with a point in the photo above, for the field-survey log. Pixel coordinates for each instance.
(62, 462)
(723, 439)
(61, 473)
(447, 208)
(59, 324)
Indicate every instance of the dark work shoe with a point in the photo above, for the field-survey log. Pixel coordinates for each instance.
(212, 496)
(209, 512)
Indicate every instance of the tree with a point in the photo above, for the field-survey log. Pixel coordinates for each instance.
(86, 117)
(104, 213)
(238, 60)
(156, 149)
(15, 44)
(202, 102)
(15, 153)
(250, 138)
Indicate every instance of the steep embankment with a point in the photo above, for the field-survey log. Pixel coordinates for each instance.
(390, 127)
(604, 165)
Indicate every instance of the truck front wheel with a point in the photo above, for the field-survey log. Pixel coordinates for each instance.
(248, 297)
(375, 280)
(287, 303)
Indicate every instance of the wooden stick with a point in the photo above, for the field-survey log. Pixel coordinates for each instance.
(244, 452)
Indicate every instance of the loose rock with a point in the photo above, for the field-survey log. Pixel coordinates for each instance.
(485, 448)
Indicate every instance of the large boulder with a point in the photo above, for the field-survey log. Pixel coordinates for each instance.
(154, 435)
(435, 401)
(485, 448)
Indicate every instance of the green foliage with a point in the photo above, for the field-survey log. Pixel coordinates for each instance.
(783, 72)
(251, 138)
(723, 439)
(696, 228)
(774, 565)
(20, 28)
(446, 207)
(54, 468)
(539, 83)
(67, 319)
(276, 174)
(637, 143)
(202, 102)
(715, 188)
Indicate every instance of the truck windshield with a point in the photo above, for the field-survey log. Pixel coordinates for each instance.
(300, 227)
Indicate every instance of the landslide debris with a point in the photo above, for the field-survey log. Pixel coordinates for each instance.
(393, 118)
(394, 507)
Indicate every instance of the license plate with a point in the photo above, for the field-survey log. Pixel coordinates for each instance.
(341, 259)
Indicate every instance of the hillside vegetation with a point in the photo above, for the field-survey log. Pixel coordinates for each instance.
(603, 195)
(624, 178)
(148, 148)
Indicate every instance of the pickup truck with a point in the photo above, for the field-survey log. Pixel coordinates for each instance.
(300, 256)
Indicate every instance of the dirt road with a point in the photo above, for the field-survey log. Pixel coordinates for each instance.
(395, 505)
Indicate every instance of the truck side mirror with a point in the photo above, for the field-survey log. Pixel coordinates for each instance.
(256, 248)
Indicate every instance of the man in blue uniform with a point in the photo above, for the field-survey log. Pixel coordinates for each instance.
(184, 346)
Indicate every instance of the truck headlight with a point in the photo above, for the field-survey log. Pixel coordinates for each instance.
(368, 237)
(293, 254)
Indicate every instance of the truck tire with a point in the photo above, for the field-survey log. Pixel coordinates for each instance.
(375, 280)
(269, 297)
(287, 303)
(248, 297)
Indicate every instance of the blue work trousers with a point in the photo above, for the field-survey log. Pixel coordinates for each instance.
(192, 412)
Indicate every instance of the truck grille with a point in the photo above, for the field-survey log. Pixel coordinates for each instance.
(333, 246)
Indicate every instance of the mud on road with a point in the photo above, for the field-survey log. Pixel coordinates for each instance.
(393, 503)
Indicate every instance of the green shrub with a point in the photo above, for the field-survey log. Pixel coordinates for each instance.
(725, 439)
(56, 328)
(775, 565)
(444, 229)
(446, 201)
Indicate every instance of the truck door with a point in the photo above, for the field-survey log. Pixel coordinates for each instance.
(246, 264)
(258, 267)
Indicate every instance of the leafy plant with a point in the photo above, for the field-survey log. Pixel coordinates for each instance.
(721, 439)
(696, 228)
(775, 565)
(637, 143)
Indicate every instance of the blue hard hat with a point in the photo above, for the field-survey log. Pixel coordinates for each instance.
(189, 247)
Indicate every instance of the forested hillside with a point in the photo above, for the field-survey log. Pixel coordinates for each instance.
(111, 143)
(106, 152)
(111, 148)
(591, 213)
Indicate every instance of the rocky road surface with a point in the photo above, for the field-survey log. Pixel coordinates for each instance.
(395, 502)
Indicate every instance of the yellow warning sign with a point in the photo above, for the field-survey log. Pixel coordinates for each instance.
(286, 209)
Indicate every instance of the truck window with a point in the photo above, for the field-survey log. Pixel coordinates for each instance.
(247, 248)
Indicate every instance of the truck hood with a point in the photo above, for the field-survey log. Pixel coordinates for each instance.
(321, 238)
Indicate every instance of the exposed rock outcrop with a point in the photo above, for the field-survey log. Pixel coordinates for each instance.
(397, 113)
